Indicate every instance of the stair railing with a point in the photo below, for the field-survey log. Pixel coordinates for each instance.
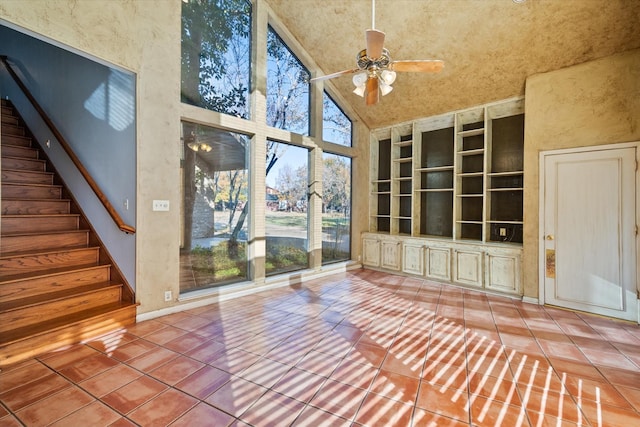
(67, 148)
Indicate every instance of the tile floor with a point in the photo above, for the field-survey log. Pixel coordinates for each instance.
(357, 349)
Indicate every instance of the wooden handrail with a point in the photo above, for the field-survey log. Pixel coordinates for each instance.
(67, 148)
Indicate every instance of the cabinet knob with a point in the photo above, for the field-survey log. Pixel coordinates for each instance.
(549, 237)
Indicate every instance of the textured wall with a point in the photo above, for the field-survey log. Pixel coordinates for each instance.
(594, 103)
(143, 37)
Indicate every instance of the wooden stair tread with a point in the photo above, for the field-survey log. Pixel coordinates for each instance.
(26, 234)
(40, 273)
(47, 251)
(26, 171)
(30, 184)
(11, 336)
(56, 296)
(39, 216)
(49, 273)
(14, 199)
(10, 145)
(23, 158)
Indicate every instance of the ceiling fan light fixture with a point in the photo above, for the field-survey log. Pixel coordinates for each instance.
(385, 89)
(388, 77)
(199, 146)
(359, 79)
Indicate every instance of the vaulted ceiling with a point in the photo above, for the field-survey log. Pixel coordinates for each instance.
(489, 46)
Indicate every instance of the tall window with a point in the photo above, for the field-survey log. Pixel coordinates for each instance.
(336, 208)
(287, 88)
(215, 197)
(336, 126)
(216, 55)
(286, 210)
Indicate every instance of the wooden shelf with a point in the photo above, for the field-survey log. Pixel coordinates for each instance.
(514, 173)
(471, 152)
(434, 190)
(506, 189)
(435, 169)
(403, 160)
(471, 132)
(403, 143)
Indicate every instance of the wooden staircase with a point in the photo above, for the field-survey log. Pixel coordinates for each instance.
(57, 283)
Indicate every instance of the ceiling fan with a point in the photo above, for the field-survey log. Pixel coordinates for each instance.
(376, 71)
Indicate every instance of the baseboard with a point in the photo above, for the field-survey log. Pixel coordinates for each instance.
(204, 297)
(530, 300)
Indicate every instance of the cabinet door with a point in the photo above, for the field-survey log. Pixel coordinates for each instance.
(371, 252)
(390, 255)
(468, 267)
(412, 259)
(438, 263)
(503, 272)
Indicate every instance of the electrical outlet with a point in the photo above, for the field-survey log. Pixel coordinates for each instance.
(503, 232)
(161, 205)
(167, 296)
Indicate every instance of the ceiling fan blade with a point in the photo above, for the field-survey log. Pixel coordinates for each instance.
(338, 74)
(372, 94)
(418, 66)
(375, 42)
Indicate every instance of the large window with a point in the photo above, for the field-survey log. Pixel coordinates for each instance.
(287, 88)
(216, 55)
(215, 246)
(215, 206)
(286, 210)
(336, 126)
(336, 208)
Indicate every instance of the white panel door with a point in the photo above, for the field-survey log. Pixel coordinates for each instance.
(589, 249)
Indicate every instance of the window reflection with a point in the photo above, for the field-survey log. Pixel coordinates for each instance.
(336, 126)
(336, 208)
(286, 210)
(216, 55)
(287, 88)
(215, 206)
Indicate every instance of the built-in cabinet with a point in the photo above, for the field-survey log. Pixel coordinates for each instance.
(491, 266)
(455, 183)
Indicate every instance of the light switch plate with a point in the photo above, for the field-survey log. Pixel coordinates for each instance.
(161, 205)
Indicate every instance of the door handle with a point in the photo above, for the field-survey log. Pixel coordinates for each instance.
(549, 237)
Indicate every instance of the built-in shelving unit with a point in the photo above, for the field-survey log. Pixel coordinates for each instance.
(448, 193)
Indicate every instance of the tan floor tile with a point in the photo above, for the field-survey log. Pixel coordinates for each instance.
(110, 380)
(203, 382)
(203, 415)
(127, 398)
(273, 409)
(54, 407)
(163, 409)
(236, 396)
(176, 370)
(377, 410)
(94, 414)
(19, 397)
